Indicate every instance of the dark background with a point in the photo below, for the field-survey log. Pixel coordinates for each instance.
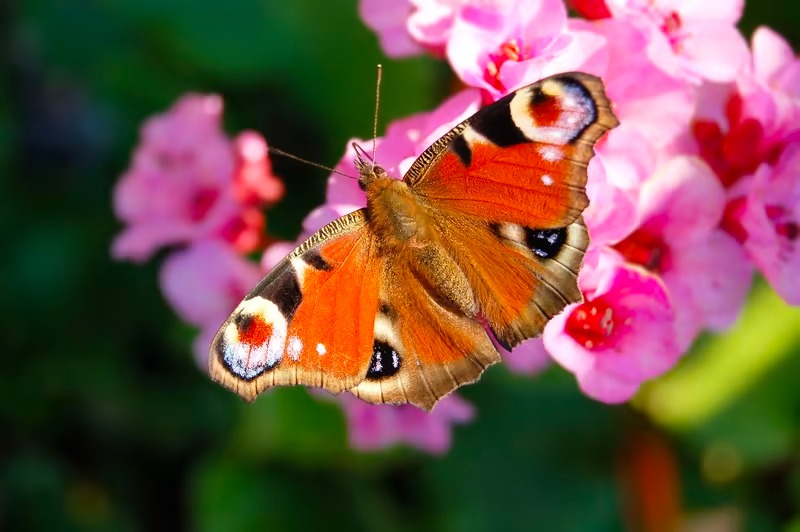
(107, 424)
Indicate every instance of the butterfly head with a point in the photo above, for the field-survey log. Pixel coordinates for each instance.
(368, 171)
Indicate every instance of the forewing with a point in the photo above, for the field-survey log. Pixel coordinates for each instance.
(309, 321)
(522, 159)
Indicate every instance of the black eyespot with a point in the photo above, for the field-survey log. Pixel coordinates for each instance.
(545, 243)
(385, 361)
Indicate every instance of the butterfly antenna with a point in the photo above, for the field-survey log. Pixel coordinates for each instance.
(277, 151)
(377, 106)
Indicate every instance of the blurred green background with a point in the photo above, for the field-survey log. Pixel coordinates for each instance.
(107, 424)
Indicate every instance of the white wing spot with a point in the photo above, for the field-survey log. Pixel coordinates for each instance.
(321, 349)
(550, 153)
(547, 180)
(294, 348)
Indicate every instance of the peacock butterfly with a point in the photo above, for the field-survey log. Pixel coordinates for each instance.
(392, 302)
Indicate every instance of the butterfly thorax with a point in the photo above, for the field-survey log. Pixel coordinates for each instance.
(395, 212)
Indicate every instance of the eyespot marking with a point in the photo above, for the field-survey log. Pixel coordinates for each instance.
(254, 341)
(545, 243)
(557, 112)
(385, 361)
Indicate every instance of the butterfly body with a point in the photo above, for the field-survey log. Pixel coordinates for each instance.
(396, 302)
(396, 215)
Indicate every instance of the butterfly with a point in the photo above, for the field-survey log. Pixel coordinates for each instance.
(395, 302)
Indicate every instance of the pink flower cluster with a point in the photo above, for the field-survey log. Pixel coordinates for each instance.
(698, 188)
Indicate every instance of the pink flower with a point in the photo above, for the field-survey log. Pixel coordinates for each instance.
(771, 221)
(389, 19)
(180, 185)
(373, 427)
(495, 45)
(624, 160)
(204, 283)
(735, 133)
(253, 181)
(406, 27)
(517, 43)
(431, 23)
(689, 39)
(775, 64)
(621, 335)
(706, 273)
(739, 127)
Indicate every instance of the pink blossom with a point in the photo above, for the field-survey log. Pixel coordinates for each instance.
(518, 43)
(373, 427)
(775, 64)
(495, 45)
(611, 214)
(706, 273)
(180, 184)
(253, 181)
(771, 218)
(389, 19)
(431, 23)
(621, 335)
(689, 39)
(735, 133)
(406, 27)
(741, 126)
(624, 160)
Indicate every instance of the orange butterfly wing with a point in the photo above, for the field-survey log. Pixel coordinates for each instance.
(508, 185)
(310, 320)
(522, 159)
